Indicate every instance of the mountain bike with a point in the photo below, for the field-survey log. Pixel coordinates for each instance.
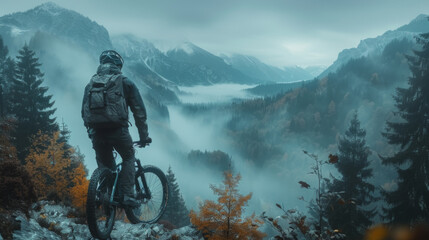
(152, 193)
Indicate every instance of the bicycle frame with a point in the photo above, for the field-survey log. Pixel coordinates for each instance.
(140, 195)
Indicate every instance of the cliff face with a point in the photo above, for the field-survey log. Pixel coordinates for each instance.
(50, 221)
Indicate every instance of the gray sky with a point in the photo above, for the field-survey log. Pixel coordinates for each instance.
(282, 33)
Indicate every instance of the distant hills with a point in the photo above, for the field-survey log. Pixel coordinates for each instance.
(376, 45)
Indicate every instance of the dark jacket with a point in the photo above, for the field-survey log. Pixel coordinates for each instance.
(132, 97)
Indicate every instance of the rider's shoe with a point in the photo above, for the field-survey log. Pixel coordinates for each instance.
(129, 201)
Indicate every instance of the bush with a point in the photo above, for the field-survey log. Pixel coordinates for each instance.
(16, 186)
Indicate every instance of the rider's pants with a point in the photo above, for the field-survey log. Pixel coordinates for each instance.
(104, 141)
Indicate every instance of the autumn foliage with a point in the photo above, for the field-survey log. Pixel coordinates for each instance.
(54, 172)
(223, 219)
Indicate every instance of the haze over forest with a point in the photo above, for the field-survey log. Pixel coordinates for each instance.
(214, 110)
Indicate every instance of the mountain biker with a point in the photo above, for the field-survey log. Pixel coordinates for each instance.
(105, 113)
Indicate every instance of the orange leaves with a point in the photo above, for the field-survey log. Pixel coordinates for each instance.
(333, 159)
(78, 192)
(223, 219)
(53, 172)
(47, 166)
(300, 224)
(304, 184)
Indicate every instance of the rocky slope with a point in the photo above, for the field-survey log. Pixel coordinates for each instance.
(50, 221)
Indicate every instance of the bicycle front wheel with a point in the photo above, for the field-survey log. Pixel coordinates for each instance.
(152, 203)
(99, 212)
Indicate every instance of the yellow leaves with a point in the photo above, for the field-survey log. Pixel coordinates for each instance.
(223, 219)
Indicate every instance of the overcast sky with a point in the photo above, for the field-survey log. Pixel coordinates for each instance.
(282, 33)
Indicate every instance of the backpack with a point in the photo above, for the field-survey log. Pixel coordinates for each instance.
(105, 104)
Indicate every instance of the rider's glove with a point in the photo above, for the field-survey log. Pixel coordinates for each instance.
(144, 142)
(91, 132)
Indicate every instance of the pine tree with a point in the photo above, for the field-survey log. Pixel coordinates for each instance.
(350, 213)
(64, 138)
(176, 212)
(7, 150)
(8, 77)
(3, 56)
(30, 104)
(223, 220)
(409, 202)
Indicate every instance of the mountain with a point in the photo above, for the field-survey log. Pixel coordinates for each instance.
(315, 70)
(253, 67)
(80, 31)
(194, 65)
(185, 65)
(376, 45)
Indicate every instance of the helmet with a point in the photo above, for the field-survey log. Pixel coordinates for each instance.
(111, 56)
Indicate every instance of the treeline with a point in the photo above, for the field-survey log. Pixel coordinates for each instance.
(347, 205)
(33, 146)
(318, 109)
(344, 207)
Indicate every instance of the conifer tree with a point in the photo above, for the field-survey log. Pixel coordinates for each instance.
(3, 56)
(409, 202)
(8, 77)
(350, 213)
(176, 211)
(7, 150)
(64, 138)
(30, 104)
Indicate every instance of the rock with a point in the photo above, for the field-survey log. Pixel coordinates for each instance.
(156, 229)
(147, 233)
(50, 221)
(32, 230)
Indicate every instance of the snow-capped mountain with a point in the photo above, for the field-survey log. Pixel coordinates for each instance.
(376, 45)
(264, 72)
(184, 65)
(18, 28)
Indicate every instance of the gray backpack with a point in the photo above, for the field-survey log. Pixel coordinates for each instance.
(105, 105)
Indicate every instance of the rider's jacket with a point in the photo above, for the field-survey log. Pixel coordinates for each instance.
(132, 96)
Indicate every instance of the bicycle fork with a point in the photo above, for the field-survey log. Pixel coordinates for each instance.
(114, 188)
(147, 194)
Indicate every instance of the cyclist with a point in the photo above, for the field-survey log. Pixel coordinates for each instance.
(105, 104)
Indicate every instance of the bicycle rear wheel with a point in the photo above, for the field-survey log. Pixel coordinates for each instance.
(151, 208)
(99, 212)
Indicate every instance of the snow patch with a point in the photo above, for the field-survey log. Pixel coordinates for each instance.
(50, 8)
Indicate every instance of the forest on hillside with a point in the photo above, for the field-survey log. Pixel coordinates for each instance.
(389, 92)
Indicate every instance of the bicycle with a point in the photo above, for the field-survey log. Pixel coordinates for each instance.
(152, 193)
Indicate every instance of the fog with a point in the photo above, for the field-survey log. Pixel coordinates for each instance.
(274, 182)
(219, 93)
(68, 69)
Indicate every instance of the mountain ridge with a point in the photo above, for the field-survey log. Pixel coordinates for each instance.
(376, 45)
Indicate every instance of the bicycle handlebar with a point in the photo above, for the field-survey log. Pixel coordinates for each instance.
(138, 143)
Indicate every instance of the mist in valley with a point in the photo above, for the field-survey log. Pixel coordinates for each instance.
(201, 107)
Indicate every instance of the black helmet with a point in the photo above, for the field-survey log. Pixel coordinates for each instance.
(111, 56)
